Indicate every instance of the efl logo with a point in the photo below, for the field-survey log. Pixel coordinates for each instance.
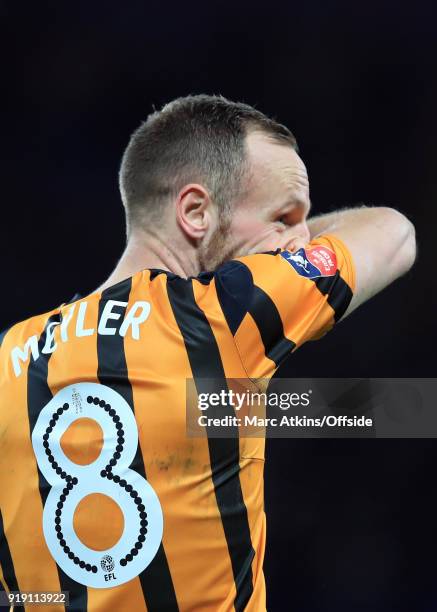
(312, 261)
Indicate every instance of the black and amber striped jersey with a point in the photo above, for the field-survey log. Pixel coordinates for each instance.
(102, 493)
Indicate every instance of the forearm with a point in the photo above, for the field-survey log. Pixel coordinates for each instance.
(324, 224)
(371, 223)
(380, 240)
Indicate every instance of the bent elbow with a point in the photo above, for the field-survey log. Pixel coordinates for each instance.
(410, 247)
(405, 233)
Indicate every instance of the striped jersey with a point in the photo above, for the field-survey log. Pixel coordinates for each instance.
(102, 493)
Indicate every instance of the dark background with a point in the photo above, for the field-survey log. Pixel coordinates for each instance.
(352, 523)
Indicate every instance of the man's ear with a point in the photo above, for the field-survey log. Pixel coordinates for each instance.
(194, 210)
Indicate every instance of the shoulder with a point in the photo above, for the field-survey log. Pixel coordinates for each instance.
(33, 325)
(3, 334)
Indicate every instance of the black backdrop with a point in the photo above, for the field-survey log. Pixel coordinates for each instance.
(352, 523)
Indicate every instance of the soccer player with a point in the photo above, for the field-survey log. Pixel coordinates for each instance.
(102, 493)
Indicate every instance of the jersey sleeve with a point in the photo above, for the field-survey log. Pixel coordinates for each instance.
(274, 302)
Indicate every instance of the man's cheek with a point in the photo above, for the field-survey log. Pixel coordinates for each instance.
(247, 232)
(265, 239)
(252, 227)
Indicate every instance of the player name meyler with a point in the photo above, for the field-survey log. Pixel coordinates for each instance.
(110, 322)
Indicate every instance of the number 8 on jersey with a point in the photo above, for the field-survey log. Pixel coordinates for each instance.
(109, 474)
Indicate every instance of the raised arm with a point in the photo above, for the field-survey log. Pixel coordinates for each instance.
(381, 241)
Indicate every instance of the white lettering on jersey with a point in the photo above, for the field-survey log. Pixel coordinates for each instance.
(134, 320)
(50, 344)
(22, 354)
(107, 314)
(64, 323)
(80, 329)
(137, 314)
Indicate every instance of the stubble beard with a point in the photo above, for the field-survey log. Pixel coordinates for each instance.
(219, 248)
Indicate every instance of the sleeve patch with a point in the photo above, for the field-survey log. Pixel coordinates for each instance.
(312, 261)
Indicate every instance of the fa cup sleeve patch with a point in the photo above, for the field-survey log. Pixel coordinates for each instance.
(312, 261)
